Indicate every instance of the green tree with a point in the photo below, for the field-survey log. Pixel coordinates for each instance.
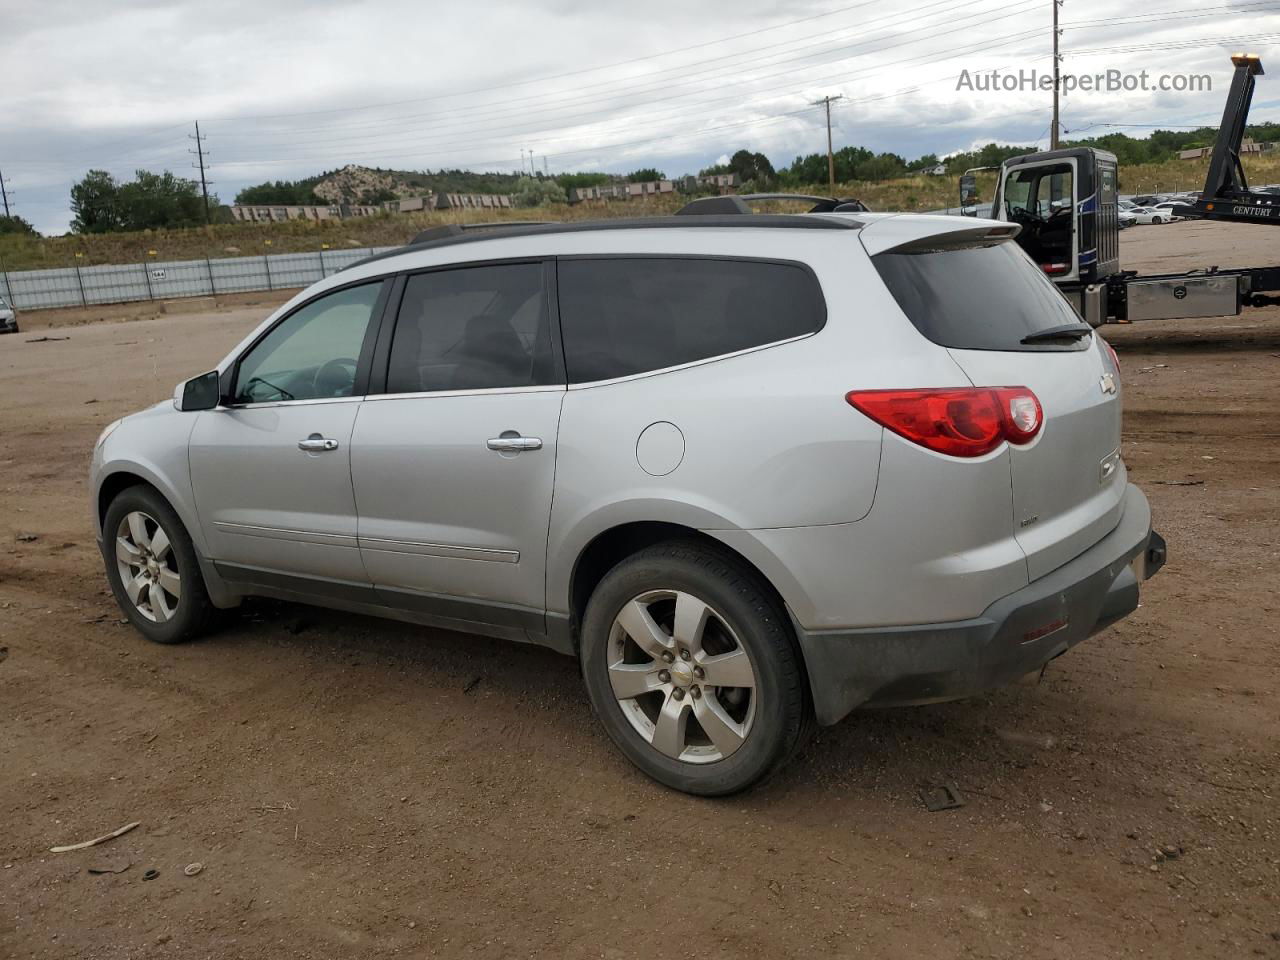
(149, 201)
(154, 200)
(754, 167)
(378, 195)
(94, 203)
(646, 175)
(290, 192)
(570, 180)
(15, 225)
(530, 192)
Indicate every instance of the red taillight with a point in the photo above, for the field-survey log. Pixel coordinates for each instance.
(1115, 359)
(960, 422)
(1054, 268)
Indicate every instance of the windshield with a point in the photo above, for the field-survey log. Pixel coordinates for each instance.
(985, 297)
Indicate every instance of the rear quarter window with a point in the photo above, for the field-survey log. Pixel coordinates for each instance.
(628, 315)
(976, 297)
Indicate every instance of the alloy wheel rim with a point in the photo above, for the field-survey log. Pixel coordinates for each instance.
(148, 566)
(681, 676)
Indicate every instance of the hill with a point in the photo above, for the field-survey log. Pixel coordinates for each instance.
(357, 184)
(915, 193)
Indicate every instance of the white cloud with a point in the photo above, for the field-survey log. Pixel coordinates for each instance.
(287, 88)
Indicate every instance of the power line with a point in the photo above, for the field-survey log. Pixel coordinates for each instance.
(1057, 82)
(831, 157)
(735, 98)
(562, 76)
(204, 184)
(562, 122)
(644, 86)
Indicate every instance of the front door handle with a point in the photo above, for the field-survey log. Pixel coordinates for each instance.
(317, 444)
(515, 444)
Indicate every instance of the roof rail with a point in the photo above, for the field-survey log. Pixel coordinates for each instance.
(455, 234)
(457, 229)
(737, 204)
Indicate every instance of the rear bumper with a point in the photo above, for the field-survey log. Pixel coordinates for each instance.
(1014, 636)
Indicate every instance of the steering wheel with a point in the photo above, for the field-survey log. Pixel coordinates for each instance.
(335, 378)
(1023, 216)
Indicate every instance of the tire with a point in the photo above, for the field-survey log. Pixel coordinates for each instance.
(1156, 220)
(164, 618)
(733, 628)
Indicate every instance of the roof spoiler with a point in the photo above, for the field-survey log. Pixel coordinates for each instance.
(737, 204)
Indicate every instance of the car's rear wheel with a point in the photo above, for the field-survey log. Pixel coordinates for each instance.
(1156, 220)
(691, 666)
(152, 566)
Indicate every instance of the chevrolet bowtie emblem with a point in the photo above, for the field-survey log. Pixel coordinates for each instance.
(1108, 383)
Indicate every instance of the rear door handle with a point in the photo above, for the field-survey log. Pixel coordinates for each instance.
(317, 444)
(503, 444)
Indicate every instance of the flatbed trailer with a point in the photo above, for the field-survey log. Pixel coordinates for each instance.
(1066, 203)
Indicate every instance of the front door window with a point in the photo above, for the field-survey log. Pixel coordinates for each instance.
(313, 353)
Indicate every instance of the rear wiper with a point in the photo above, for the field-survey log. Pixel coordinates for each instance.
(1069, 331)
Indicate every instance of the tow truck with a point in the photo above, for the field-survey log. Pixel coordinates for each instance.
(1065, 202)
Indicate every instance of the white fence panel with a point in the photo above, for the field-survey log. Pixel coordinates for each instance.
(173, 279)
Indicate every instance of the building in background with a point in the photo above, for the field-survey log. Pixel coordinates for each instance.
(279, 213)
(722, 182)
(650, 188)
(474, 201)
(1246, 146)
(602, 191)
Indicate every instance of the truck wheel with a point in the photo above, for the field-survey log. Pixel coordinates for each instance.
(152, 567)
(691, 666)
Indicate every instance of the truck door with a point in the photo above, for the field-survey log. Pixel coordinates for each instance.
(1040, 198)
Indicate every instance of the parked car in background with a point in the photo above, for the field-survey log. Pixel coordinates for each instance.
(1126, 217)
(753, 472)
(1146, 200)
(1149, 215)
(8, 318)
(1165, 209)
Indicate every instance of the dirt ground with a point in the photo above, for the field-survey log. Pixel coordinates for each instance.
(359, 788)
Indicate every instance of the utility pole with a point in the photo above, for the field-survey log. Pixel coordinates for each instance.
(831, 157)
(1057, 60)
(4, 192)
(204, 184)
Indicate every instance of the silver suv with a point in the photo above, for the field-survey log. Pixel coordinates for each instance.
(752, 471)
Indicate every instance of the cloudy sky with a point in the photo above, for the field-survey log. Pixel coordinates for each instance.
(287, 88)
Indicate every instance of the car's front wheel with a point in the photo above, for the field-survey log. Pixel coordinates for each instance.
(152, 567)
(691, 666)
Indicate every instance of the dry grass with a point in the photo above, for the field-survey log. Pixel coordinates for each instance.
(244, 239)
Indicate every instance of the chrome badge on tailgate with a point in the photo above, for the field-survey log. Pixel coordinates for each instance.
(1108, 465)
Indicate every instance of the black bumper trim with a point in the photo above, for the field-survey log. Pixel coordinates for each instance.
(1014, 636)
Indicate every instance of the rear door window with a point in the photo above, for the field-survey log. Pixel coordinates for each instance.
(985, 297)
(473, 328)
(628, 315)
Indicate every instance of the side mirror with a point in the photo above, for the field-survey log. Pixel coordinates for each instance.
(199, 393)
(968, 194)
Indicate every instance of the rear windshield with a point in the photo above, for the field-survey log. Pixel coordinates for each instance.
(977, 298)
